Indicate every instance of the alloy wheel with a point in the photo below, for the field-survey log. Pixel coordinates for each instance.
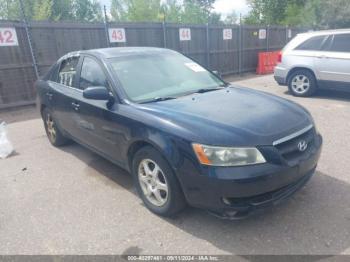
(300, 84)
(153, 182)
(50, 125)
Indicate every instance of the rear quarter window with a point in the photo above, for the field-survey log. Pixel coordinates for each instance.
(341, 43)
(312, 44)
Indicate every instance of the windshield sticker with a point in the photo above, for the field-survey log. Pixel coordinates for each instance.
(195, 67)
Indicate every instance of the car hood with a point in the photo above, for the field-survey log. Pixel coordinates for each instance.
(231, 116)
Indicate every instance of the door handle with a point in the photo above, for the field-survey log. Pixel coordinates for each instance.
(322, 56)
(49, 95)
(76, 106)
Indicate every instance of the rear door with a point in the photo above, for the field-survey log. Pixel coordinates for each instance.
(334, 63)
(63, 90)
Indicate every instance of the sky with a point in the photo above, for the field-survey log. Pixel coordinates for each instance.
(221, 6)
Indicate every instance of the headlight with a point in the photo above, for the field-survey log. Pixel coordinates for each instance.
(227, 156)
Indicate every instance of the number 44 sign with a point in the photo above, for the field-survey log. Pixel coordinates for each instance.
(8, 37)
(117, 35)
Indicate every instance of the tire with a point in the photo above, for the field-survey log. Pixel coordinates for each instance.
(302, 83)
(53, 133)
(172, 199)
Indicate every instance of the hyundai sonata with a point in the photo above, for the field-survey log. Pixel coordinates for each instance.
(185, 135)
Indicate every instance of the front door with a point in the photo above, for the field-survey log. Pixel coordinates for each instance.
(97, 124)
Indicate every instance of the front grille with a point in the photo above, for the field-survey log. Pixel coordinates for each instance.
(289, 149)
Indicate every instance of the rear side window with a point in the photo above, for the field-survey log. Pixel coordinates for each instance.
(341, 43)
(91, 74)
(67, 72)
(314, 43)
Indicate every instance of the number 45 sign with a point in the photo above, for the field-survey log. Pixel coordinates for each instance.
(8, 37)
(117, 35)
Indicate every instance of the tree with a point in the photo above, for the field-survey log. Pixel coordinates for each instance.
(327, 14)
(266, 11)
(54, 10)
(172, 11)
(136, 10)
(231, 18)
(62, 10)
(42, 10)
(310, 13)
(87, 10)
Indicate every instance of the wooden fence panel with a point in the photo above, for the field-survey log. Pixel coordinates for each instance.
(207, 46)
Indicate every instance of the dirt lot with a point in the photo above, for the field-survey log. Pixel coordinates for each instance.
(71, 201)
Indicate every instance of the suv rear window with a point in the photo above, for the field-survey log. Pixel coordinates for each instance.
(314, 43)
(341, 43)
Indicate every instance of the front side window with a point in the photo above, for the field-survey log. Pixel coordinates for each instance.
(312, 44)
(158, 75)
(341, 43)
(67, 72)
(91, 74)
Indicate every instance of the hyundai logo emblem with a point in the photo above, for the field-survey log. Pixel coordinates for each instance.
(302, 145)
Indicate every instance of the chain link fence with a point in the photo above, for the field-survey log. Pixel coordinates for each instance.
(227, 49)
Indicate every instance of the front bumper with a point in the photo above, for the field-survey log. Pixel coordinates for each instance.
(241, 190)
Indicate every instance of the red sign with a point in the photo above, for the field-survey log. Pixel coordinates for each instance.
(117, 35)
(8, 37)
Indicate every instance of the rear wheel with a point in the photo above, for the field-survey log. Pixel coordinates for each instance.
(156, 183)
(302, 83)
(54, 135)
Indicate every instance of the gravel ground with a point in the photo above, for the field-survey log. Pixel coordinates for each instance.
(71, 201)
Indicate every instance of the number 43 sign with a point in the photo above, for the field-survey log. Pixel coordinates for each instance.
(117, 35)
(8, 37)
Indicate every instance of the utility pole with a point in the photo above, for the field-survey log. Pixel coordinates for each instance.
(106, 25)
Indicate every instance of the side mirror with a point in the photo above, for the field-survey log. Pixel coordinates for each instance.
(97, 93)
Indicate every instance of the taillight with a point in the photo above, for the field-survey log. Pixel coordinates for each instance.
(279, 57)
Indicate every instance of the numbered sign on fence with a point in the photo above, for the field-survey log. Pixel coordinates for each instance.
(185, 34)
(262, 34)
(8, 37)
(227, 34)
(117, 35)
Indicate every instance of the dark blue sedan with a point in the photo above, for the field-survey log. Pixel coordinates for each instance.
(186, 136)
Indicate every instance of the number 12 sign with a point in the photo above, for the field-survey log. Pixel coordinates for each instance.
(117, 35)
(8, 37)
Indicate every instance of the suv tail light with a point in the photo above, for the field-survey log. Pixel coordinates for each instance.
(279, 57)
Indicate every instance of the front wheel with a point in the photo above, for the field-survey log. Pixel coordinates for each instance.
(156, 183)
(302, 83)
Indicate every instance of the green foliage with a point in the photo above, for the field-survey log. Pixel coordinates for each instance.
(231, 19)
(54, 10)
(318, 14)
(186, 11)
(9, 9)
(87, 10)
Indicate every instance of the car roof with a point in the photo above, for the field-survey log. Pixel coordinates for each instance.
(119, 52)
(326, 32)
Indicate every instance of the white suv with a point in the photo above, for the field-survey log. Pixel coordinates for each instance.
(315, 60)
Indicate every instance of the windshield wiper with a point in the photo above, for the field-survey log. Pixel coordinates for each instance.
(159, 99)
(204, 90)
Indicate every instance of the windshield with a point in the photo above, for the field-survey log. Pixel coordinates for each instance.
(146, 77)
